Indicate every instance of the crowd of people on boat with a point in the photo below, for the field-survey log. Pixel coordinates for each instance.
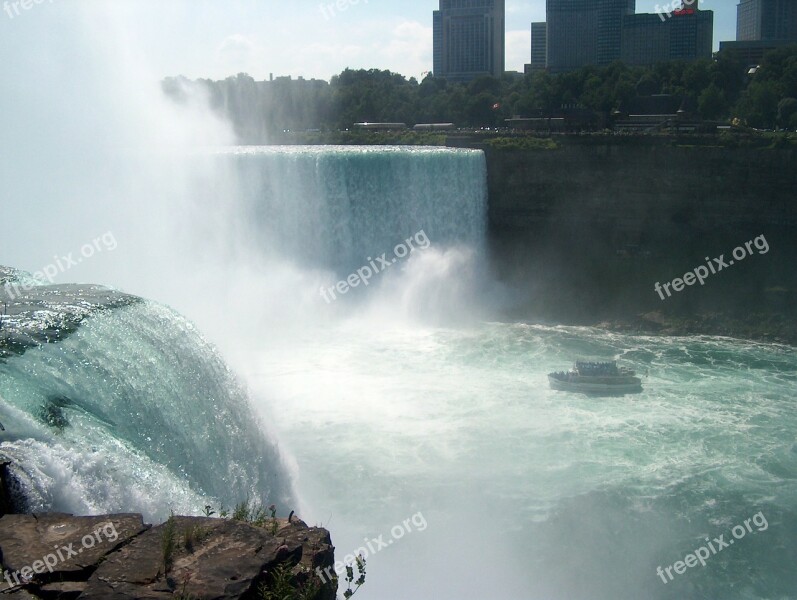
(562, 375)
(588, 369)
(596, 369)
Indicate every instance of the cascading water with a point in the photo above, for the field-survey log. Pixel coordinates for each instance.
(334, 207)
(396, 399)
(525, 493)
(127, 409)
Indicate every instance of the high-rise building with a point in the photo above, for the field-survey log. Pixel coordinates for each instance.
(686, 35)
(766, 20)
(469, 39)
(585, 32)
(761, 27)
(539, 46)
(610, 24)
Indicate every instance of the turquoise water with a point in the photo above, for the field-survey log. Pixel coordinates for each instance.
(531, 493)
(407, 403)
(156, 421)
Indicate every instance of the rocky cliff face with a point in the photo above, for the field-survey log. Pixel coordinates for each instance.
(118, 557)
(588, 229)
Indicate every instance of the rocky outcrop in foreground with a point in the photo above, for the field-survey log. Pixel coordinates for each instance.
(118, 557)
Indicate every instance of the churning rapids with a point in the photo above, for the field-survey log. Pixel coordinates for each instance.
(405, 396)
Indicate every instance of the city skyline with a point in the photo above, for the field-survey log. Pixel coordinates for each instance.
(211, 39)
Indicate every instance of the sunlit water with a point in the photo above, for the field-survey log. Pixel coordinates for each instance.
(531, 493)
(406, 400)
(154, 421)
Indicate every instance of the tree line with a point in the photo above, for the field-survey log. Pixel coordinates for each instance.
(722, 90)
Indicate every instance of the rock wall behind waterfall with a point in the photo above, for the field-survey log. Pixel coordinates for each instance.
(588, 229)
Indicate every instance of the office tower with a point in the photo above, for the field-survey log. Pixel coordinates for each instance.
(469, 39)
(437, 37)
(766, 20)
(539, 46)
(610, 24)
(585, 32)
(686, 35)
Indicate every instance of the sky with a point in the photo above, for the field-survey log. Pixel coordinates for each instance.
(219, 38)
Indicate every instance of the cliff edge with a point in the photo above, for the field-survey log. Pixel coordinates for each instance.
(119, 557)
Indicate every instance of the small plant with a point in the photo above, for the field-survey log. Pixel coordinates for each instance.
(169, 543)
(209, 512)
(250, 512)
(282, 586)
(257, 515)
(192, 535)
(241, 511)
(182, 594)
(350, 577)
(309, 590)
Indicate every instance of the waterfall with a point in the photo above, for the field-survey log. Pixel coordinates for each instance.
(128, 408)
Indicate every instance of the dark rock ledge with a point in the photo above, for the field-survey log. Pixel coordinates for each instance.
(118, 557)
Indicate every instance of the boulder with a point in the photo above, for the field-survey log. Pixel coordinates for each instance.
(117, 557)
(39, 549)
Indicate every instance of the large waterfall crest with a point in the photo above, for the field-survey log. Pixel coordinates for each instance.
(333, 207)
(134, 411)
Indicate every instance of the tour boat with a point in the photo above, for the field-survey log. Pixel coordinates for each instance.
(596, 378)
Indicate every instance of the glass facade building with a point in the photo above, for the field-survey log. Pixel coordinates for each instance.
(585, 32)
(469, 39)
(766, 20)
(539, 46)
(647, 39)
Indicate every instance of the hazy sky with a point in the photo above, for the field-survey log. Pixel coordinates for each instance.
(217, 38)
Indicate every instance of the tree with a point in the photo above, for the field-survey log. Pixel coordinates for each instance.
(787, 109)
(712, 103)
(697, 77)
(480, 110)
(486, 83)
(759, 104)
(258, 109)
(648, 85)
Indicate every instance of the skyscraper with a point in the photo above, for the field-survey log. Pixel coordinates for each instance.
(762, 26)
(766, 20)
(539, 46)
(686, 35)
(610, 24)
(585, 32)
(469, 39)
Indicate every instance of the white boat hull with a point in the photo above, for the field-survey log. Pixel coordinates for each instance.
(597, 388)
